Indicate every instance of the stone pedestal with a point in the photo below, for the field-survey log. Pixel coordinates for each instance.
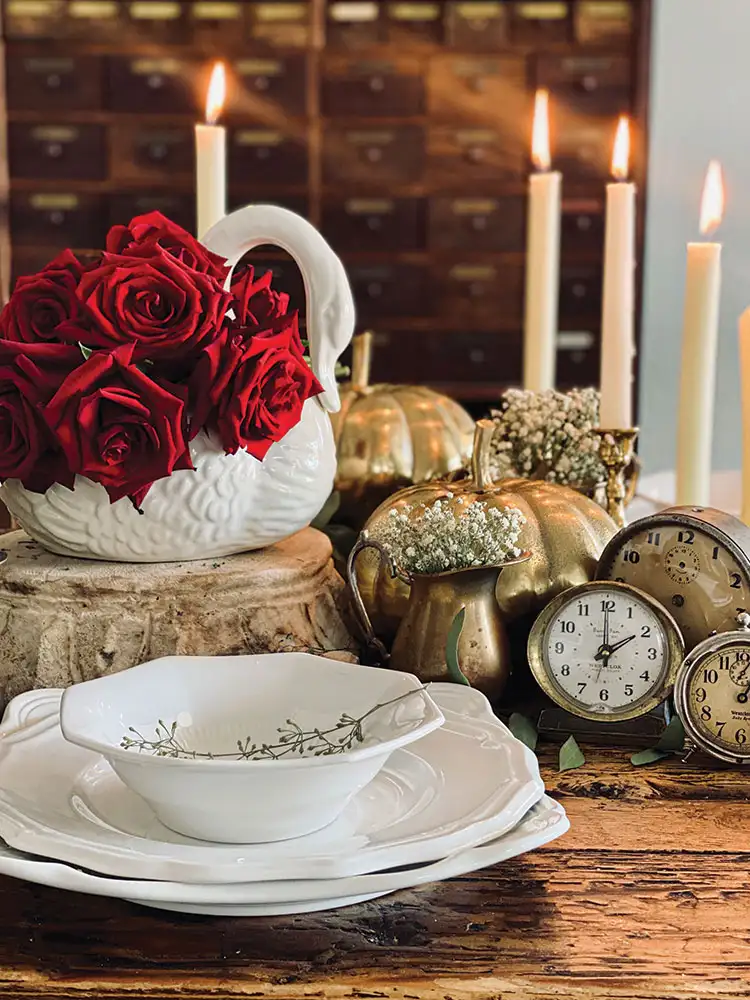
(66, 620)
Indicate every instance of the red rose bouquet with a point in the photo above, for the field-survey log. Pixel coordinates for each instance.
(110, 369)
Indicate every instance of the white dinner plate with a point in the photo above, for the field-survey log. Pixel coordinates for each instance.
(545, 822)
(469, 782)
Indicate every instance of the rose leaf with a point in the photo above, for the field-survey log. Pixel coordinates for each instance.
(524, 730)
(570, 756)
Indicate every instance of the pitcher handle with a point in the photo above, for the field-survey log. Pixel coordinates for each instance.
(363, 542)
(330, 304)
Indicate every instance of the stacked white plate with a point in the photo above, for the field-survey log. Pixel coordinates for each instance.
(464, 797)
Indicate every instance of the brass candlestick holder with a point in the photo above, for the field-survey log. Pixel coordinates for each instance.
(616, 452)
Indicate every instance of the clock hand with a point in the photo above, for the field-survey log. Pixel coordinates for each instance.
(607, 651)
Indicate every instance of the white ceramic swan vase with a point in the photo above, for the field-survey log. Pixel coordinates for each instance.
(231, 503)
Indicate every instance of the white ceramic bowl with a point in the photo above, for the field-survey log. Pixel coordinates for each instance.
(218, 700)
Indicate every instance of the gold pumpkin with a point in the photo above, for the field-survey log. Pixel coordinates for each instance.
(565, 532)
(389, 436)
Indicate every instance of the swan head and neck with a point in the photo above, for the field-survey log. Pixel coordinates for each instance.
(330, 306)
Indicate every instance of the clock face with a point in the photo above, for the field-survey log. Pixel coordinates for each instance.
(687, 568)
(714, 700)
(605, 651)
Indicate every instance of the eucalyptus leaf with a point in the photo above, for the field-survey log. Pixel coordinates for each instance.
(85, 351)
(327, 511)
(451, 649)
(649, 756)
(523, 729)
(673, 737)
(571, 756)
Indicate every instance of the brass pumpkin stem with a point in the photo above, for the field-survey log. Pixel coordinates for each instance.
(480, 458)
(361, 360)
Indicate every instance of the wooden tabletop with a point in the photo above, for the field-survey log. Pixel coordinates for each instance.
(648, 896)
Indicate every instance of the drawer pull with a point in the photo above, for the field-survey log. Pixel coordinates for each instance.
(374, 154)
(479, 223)
(57, 218)
(158, 151)
(476, 290)
(475, 154)
(262, 153)
(54, 150)
(579, 290)
(377, 84)
(477, 356)
(589, 83)
(53, 81)
(155, 81)
(374, 290)
(374, 222)
(583, 223)
(260, 83)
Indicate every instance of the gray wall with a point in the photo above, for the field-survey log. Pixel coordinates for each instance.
(700, 109)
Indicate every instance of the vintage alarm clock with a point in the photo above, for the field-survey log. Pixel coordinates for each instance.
(712, 695)
(693, 560)
(605, 651)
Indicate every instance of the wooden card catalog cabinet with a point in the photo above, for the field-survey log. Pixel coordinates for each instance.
(158, 20)
(96, 21)
(487, 224)
(281, 24)
(541, 22)
(353, 23)
(477, 26)
(161, 85)
(257, 156)
(57, 219)
(58, 152)
(374, 224)
(379, 87)
(54, 82)
(218, 25)
(269, 85)
(380, 156)
(34, 18)
(408, 23)
(603, 22)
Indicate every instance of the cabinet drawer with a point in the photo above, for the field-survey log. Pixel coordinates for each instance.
(218, 25)
(582, 226)
(419, 20)
(281, 81)
(372, 87)
(375, 224)
(486, 90)
(460, 157)
(66, 83)
(159, 153)
(577, 357)
(540, 22)
(266, 157)
(481, 25)
(57, 219)
(353, 23)
(70, 152)
(389, 289)
(95, 21)
(587, 82)
(580, 292)
(379, 156)
(156, 85)
(493, 224)
(157, 20)
(603, 22)
(584, 147)
(33, 18)
(282, 24)
(479, 294)
(180, 208)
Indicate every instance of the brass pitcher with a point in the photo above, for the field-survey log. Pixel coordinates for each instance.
(434, 601)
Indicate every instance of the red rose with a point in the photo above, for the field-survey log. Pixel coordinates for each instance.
(41, 302)
(29, 376)
(255, 302)
(149, 299)
(117, 426)
(251, 387)
(156, 228)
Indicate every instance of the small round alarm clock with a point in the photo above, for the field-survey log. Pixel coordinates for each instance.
(693, 560)
(712, 695)
(605, 651)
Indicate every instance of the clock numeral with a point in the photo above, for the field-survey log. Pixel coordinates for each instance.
(631, 556)
(628, 690)
(567, 626)
(559, 647)
(715, 553)
(608, 605)
(581, 687)
(687, 537)
(700, 695)
(720, 727)
(739, 737)
(565, 670)
(654, 538)
(723, 663)
(705, 712)
(736, 579)
(645, 632)
(652, 653)
(630, 612)
(583, 610)
(710, 676)
(645, 676)
(604, 695)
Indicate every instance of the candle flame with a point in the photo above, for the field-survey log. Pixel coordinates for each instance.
(621, 150)
(217, 92)
(712, 202)
(540, 154)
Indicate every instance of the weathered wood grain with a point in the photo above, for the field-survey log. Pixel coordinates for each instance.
(647, 897)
